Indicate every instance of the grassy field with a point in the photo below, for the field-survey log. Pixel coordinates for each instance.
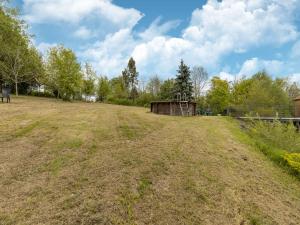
(77, 163)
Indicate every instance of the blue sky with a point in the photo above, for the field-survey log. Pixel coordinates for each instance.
(230, 38)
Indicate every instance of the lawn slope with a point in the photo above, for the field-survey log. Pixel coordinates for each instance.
(77, 163)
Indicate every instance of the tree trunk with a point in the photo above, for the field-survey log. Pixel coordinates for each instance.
(17, 91)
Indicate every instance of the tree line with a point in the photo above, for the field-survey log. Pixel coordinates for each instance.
(62, 76)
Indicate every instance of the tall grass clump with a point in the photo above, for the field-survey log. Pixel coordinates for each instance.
(278, 141)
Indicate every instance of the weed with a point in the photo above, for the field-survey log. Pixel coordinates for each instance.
(144, 185)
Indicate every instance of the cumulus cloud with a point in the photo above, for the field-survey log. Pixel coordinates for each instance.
(216, 30)
(251, 66)
(83, 33)
(158, 29)
(110, 55)
(221, 28)
(295, 78)
(74, 11)
(295, 53)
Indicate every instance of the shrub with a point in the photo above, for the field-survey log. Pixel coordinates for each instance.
(293, 160)
(45, 94)
(120, 101)
(144, 100)
(279, 142)
(277, 135)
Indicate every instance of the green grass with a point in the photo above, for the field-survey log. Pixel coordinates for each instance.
(77, 163)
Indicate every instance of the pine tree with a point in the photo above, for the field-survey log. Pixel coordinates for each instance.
(183, 84)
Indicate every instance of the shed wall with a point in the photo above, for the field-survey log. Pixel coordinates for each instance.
(172, 108)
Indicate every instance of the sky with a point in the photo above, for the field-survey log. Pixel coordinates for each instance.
(229, 38)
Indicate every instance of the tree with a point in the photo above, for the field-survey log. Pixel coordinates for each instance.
(167, 89)
(218, 96)
(130, 78)
(103, 88)
(64, 72)
(199, 79)
(118, 88)
(19, 60)
(293, 90)
(183, 84)
(261, 95)
(239, 95)
(89, 80)
(153, 86)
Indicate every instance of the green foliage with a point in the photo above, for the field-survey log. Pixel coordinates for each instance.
(118, 88)
(19, 60)
(293, 160)
(261, 95)
(218, 96)
(120, 101)
(130, 79)
(145, 99)
(104, 88)
(277, 134)
(88, 87)
(64, 72)
(183, 84)
(45, 94)
(279, 142)
(154, 86)
(167, 90)
(202, 105)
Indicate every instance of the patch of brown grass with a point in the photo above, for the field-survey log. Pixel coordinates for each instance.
(77, 163)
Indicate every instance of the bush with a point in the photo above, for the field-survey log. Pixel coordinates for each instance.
(144, 100)
(120, 101)
(45, 94)
(293, 160)
(277, 135)
(279, 142)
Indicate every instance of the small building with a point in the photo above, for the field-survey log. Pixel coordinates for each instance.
(174, 108)
(297, 106)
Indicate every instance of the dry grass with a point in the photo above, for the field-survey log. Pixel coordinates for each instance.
(76, 163)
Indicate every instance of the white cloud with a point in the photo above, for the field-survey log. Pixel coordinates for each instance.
(295, 78)
(235, 26)
(83, 33)
(74, 11)
(227, 76)
(219, 29)
(157, 29)
(43, 47)
(295, 53)
(251, 66)
(216, 30)
(111, 55)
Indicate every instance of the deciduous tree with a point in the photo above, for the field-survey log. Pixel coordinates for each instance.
(89, 80)
(218, 96)
(64, 72)
(199, 79)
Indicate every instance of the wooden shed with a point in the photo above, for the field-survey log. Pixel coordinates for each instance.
(297, 106)
(174, 108)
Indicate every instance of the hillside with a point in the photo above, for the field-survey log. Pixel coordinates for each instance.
(77, 163)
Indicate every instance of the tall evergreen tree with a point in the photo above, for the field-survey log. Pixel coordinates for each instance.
(183, 83)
